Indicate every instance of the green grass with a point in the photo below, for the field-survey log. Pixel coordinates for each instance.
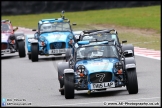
(143, 41)
(140, 17)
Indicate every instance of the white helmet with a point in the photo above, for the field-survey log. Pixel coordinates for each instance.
(46, 27)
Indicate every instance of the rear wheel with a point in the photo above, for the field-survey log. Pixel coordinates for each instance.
(132, 83)
(62, 91)
(34, 52)
(21, 48)
(69, 85)
(29, 56)
(67, 55)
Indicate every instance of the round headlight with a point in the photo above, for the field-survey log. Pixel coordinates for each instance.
(118, 65)
(81, 68)
(42, 38)
(12, 37)
(70, 36)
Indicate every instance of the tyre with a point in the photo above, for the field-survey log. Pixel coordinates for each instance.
(69, 85)
(61, 67)
(21, 48)
(68, 54)
(132, 83)
(62, 91)
(29, 56)
(34, 52)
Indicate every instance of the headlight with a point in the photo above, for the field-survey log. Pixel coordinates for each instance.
(118, 65)
(12, 37)
(81, 70)
(20, 37)
(42, 38)
(70, 36)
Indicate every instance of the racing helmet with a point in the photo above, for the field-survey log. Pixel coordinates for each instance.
(46, 27)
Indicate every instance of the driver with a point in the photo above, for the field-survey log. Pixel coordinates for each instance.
(46, 27)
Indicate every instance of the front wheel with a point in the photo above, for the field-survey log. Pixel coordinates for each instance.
(21, 48)
(132, 83)
(69, 85)
(34, 52)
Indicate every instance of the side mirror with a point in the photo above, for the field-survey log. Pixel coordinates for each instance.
(74, 24)
(124, 41)
(15, 29)
(34, 30)
(36, 35)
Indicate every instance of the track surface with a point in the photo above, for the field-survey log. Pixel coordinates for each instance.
(37, 83)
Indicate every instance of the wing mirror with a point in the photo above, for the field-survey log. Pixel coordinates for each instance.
(124, 41)
(74, 24)
(34, 30)
(36, 35)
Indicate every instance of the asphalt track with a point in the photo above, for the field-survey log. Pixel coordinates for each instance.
(37, 83)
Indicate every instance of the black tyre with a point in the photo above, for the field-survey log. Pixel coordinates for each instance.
(69, 85)
(29, 56)
(34, 52)
(21, 48)
(61, 67)
(62, 91)
(68, 54)
(132, 83)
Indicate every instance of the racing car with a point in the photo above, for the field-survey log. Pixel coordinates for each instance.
(96, 67)
(103, 35)
(11, 42)
(52, 38)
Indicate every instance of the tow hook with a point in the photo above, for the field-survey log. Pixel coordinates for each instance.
(89, 92)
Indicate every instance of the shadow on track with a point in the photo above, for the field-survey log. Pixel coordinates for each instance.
(106, 93)
(9, 57)
(51, 59)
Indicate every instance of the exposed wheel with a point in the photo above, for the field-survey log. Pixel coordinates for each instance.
(34, 52)
(68, 54)
(62, 91)
(132, 83)
(29, 56)
(69, 85)
(21, 48)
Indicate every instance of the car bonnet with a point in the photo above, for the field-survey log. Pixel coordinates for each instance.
(56, 36)
(98, 65)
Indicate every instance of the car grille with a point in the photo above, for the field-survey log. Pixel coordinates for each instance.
(3, 46)
(100, 77)
(57, 45)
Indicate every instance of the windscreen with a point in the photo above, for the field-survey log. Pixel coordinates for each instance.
(100, 37)
(5, 27)
(56, 26)
(108, 51)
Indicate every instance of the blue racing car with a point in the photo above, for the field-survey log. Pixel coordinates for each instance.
(96, 67)
(52, 38)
